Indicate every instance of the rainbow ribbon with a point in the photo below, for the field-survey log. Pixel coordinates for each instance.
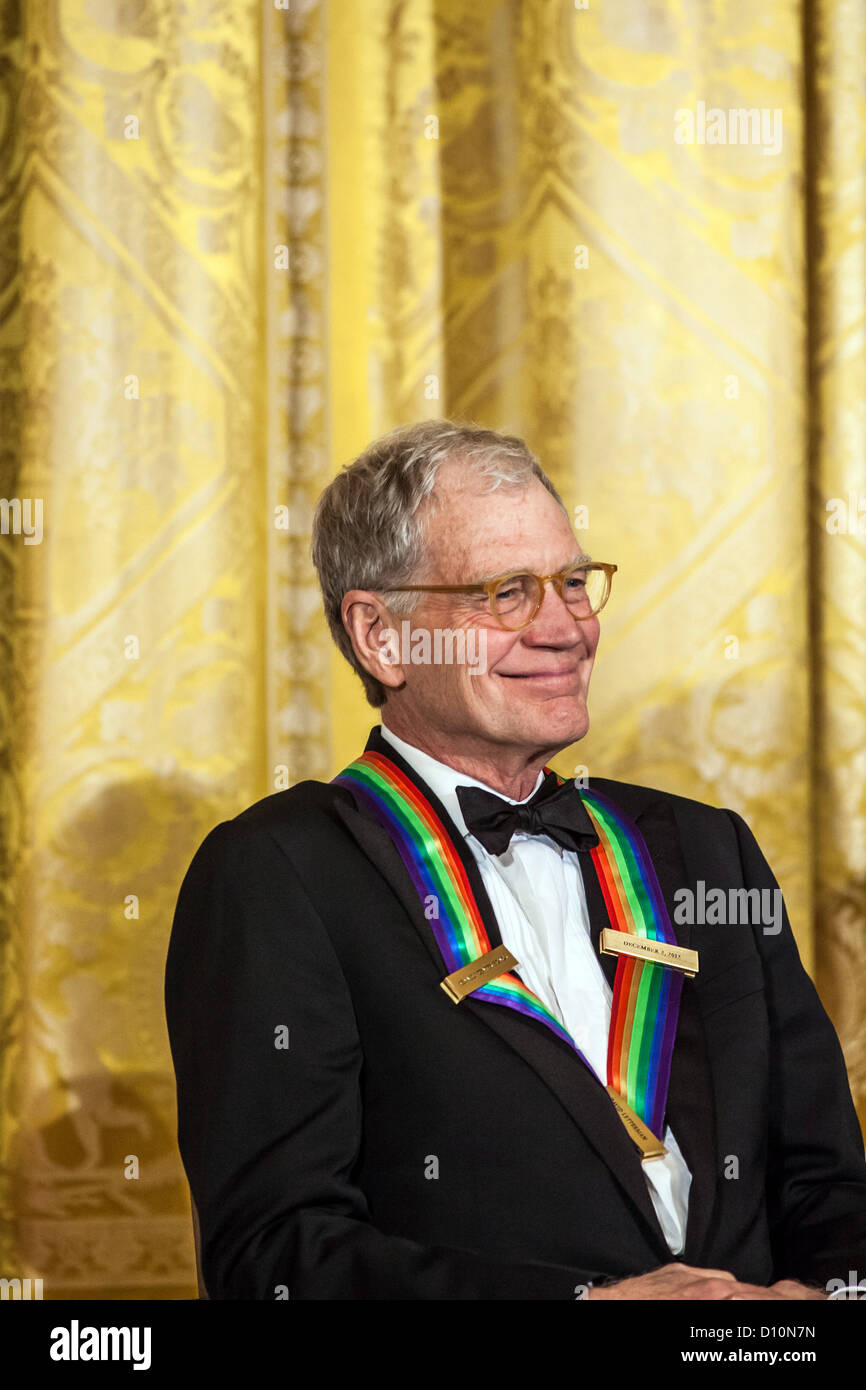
(645, 996)
(438, 872)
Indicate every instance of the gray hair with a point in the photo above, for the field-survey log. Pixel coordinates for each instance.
(369, 528)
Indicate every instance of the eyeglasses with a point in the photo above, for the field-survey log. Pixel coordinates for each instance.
(513, 600)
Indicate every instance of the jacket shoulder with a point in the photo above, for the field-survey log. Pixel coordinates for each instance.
(296, 805)
(634, 799)
(299, 817)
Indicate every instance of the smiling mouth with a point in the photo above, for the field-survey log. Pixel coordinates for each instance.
(571, 673)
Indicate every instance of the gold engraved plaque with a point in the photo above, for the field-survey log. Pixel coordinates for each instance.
(621, 943)
(477, 973)
(649, 1146)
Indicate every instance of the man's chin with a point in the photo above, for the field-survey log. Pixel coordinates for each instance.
(561, 721)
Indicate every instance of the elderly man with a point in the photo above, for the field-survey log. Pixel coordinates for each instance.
(440, 1027)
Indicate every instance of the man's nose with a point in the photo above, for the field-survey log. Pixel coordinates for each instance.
(554, 620)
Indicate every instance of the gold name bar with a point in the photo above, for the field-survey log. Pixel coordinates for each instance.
(477, 973)
(621, 943)
(650, 1147)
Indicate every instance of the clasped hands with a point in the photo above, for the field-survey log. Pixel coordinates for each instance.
(679, 1281)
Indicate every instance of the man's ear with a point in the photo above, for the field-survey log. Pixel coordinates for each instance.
(375, 643)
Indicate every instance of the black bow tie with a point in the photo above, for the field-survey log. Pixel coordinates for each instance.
(554, 810)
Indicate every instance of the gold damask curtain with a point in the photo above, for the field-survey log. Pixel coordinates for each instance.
(239, 240)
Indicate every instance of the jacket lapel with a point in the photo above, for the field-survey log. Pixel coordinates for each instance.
(690, 1108)
(579, 1091)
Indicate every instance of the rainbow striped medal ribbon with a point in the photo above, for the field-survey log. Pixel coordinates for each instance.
(650, 968)
(646, 994)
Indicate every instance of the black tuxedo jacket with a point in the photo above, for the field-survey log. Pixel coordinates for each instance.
(404, 1147)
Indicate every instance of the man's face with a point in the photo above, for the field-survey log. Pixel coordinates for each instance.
(531, 696)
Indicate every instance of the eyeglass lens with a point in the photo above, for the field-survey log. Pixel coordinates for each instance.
(517, 597)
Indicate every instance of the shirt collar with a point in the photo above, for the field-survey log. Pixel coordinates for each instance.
(443, 780)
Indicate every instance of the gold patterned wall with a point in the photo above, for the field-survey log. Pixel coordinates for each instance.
(236, 242)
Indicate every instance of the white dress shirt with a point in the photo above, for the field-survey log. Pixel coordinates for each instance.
(537, 893)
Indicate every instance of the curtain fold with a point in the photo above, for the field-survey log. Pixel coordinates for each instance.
(237, 242)
(835, 211)
(133, 374)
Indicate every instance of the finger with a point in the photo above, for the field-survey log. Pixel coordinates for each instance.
(709, 1273)
(756, 1291)
(708, 1290)
(792, 1288)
